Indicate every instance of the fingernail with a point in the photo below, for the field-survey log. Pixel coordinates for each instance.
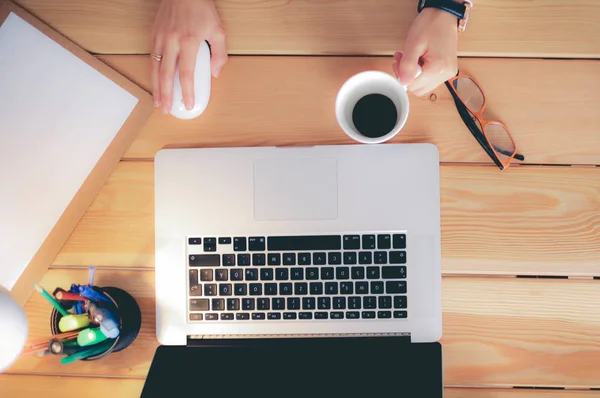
(217, 72)
(189, 105)
(165, 110)
(156, 103)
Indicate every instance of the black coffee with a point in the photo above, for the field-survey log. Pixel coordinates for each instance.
(374, 115)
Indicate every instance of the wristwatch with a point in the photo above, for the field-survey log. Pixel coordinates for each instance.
(461, 9)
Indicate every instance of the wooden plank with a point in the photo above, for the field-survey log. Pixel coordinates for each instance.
(524, 221)
(534, 28)
(497, 331)
(274, 101)
(515, 393)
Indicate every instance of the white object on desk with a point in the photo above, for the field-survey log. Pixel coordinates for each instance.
(58, 115)
(13, 333)
(201, 87)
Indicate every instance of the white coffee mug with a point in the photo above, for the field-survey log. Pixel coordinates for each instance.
(372, 82)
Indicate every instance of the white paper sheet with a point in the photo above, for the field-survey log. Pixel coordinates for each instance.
(57, 117)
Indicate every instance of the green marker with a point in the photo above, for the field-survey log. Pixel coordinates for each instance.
(90, 336)
(51, 299)
(87, 352)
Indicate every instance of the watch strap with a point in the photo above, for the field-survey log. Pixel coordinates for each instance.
(453, 7)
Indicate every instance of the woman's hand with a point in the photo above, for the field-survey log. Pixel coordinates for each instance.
(432, 43)
(179, 28)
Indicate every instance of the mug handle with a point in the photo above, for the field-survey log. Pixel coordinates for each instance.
(396, 67)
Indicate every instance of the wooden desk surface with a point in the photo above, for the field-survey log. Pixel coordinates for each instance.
(521, 247)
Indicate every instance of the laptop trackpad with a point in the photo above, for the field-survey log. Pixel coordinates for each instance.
(295, 189)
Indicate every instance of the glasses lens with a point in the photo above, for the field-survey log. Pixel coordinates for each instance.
(469, 93)
(500, 140)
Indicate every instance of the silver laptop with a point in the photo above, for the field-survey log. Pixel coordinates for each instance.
(298, 241)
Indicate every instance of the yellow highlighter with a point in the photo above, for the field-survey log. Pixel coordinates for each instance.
(73, 322)
(90, 336)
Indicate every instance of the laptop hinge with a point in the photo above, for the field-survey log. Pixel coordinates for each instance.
(288, 336)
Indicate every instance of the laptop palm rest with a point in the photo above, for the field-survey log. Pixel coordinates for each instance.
(307, 367)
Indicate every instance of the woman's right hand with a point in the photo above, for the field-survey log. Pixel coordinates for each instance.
(179, 28)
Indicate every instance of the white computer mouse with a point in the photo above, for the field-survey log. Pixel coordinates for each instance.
(202, 78)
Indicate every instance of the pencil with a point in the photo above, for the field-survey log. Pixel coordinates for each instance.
(68, 296)
(50, 299)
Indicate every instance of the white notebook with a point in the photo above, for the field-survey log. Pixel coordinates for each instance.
(57, 117)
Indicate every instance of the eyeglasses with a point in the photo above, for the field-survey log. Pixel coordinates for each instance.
(492, 135)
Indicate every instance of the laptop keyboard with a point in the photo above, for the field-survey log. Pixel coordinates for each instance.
(319, 277)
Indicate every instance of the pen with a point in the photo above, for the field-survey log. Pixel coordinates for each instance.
(90, 337)
(67, 296)
(50, 299)
(73, 322)
(91, 275)
(87, 352)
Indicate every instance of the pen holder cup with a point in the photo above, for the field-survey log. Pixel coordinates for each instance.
(127, 312)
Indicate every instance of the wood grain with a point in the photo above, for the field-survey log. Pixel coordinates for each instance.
(290, 101)
(497, 331)
(536, 28)
(524, 221)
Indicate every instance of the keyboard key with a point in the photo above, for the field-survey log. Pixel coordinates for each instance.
(239, 244)
(233, 304)
(351, 242)
(243, 259)
(354, 303)
(210, 244)
(227, 317)
(395, 272)
(316, 288)
(400, 314)
(258, 316)
(380, 258)
(303, 258)
(297, 274)
(324, 303)
(319, 258)
(321, 315)
(242, 316)
(372, 272)
(368, 314)
(350, 258)
(263, 304)
(334, 258)
(225, 289)
(369, 302)
(377, 287)
(339, 303)
(395, 287)
(400, 241)
(300, 288)
(400, 302)
(218, 304)
(346, 288)
(327, 273)
(312, 274)
(204, 260)
(251, 274)
(206, 275)
(368, 242)
(384, 314)
(194, 241)
(282, 274)
(289, 315)
(221, 275)
(210, 289)
(397, 257)
(352, 315)
(256, 244)
(342, 273)
(308, 303)
(305, 315)
(274, 259)
(248, 304)
(228, 260)
(266, 274)
(240, 289)
(331, 288)
(385, 302)
(270, 289)
(298, 243)
(384, 241)
(259, 259)
(196, 317)
(274, 315)
(336, 315)
(237, 274)
(195, 287)
(286, 289)
(358, 272)
(365, 258)
(211, 317)
(199, 305)
(362, 287)
(293, 303)
(289, 258)
(224, 241)
(256, 289)
(279, 303)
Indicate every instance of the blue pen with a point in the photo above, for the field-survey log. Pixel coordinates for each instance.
(90, 294)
